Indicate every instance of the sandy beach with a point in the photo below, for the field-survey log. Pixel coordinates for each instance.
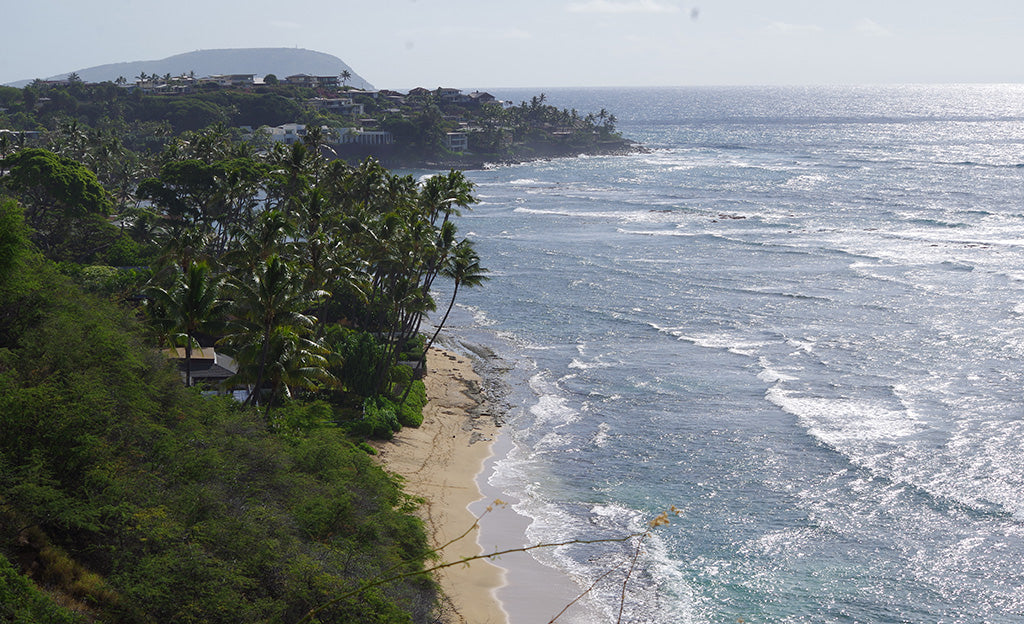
(440, 462)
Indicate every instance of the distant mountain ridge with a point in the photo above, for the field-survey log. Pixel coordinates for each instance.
(259, 61)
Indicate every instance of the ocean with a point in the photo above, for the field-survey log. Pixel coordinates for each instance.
(799, 319)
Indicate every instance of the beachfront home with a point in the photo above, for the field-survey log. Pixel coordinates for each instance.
(481, 97)
(20, 135)
(355, 136)
(209, 369)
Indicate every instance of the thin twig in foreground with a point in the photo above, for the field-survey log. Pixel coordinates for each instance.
(381, 581)
(629, 573)
(584, 593)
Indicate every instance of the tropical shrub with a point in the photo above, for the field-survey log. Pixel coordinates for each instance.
(379, 420)
(410, 413)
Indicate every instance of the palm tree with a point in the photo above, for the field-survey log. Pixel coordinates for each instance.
(254, 244)
(314, 139)
(294, 169)
(346, 75)
(269, 303)
(464, 269)
(444, 194)
(294, 362)
(190, 306)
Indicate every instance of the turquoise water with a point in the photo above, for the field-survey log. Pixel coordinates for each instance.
(799, 319)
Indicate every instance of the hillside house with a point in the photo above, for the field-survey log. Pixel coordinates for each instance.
(340, 106)
(316, 82)
(457, 141)
(289, 133)
(481, 97)
(230, 80)
(355, 136)
(452, 96)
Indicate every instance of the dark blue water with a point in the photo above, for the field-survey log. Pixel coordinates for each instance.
(800, 320)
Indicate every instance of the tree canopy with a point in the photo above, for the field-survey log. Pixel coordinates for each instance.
(127, 489)
(65, 205)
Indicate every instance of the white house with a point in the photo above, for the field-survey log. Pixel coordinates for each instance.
(288, 133)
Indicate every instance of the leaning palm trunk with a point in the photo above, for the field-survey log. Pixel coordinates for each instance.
(463, 266)
(253, 398)
(444, 319)
(422, 364)
(188, 360)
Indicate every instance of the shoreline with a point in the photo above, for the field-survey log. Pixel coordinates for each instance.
(445, 462)
(440, 462)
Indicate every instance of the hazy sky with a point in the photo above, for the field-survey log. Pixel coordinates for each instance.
(544, 43)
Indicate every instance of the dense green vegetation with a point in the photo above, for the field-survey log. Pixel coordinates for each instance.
(129, 496)
(133, 499)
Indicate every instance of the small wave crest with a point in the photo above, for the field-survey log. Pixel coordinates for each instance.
(770, 375)
(580, 365)
(722, 341)
(957, 266)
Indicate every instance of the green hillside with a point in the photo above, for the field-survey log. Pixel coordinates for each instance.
(126, 497)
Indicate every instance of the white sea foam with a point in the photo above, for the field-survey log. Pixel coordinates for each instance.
(480, 317)
(805, 182)
(986, 465)
(551, 408)
(660, 594)
(852, 427)
(783, 542)
(805, 345)
(552, 522)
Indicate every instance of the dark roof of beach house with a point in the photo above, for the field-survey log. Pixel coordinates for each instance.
(207, 364)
